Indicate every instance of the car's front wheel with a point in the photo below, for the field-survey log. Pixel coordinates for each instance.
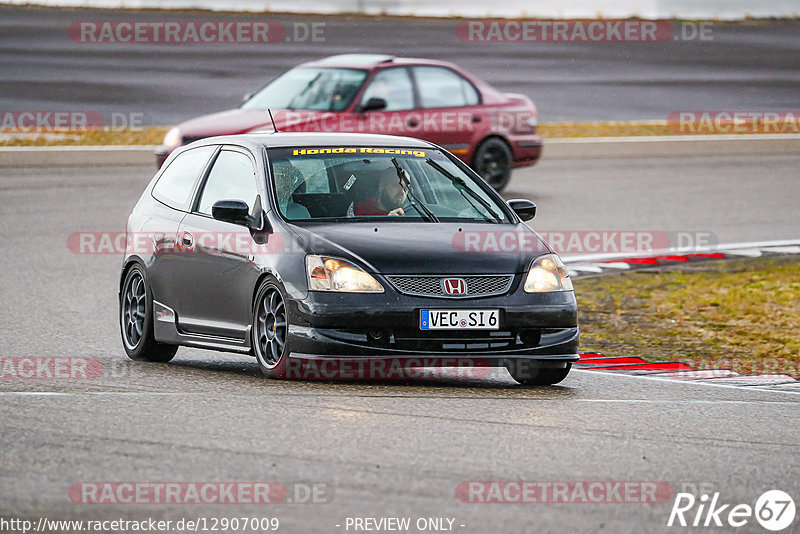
(136, 320)
(541, 376)
(492, 161)
(270, 329)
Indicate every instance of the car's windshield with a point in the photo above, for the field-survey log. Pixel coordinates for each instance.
(356, 183)
(325, 89)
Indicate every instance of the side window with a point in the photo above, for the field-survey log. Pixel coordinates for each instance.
(439, 88)
(176, 184)
(231, 178)
(394, 86)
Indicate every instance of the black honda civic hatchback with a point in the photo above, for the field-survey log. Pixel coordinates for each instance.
(342, 255)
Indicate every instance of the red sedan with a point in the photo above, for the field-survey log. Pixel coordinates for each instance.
(431, 100)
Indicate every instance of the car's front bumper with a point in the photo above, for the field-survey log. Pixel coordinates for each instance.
(527, 149)
(161, 153)
(387, 325)
(303, 366)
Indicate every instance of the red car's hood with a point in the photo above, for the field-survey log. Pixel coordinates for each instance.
(236, 121)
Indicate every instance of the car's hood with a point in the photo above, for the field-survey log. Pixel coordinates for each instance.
(428, 248)
(237, 121)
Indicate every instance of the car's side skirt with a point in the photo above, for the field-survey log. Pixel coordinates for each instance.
(165, 330)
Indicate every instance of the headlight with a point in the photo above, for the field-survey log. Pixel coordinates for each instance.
(173, 139)
(332, 274)
(547, 273)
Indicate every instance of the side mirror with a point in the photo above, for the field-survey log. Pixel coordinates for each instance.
(247, 97)
(374, 104)
(525, 209)
(232, 211)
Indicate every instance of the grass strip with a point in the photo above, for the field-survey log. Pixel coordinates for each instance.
(742, 315)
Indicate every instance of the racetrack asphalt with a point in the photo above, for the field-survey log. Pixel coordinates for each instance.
(743, 66)
(382, 448)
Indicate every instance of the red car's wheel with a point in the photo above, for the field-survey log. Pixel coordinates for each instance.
(492, 161)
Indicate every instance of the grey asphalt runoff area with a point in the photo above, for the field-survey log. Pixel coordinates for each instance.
(744, 66)
(380, 448)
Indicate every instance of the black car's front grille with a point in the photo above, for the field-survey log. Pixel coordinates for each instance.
(462, 341)
(456, 341)
(432, 286)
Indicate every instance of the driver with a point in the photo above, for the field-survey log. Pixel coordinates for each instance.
(389, 198)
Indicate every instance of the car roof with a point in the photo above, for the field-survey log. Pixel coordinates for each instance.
(356, 59)
(292, 139)
(361, 61)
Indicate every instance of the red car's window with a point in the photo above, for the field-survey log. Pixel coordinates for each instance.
(394, 86)
(440, 88)
(325, 89)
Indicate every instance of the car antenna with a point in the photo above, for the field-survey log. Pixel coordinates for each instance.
(273, 120)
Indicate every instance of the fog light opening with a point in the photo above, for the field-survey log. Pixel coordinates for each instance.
(530, 338)
(380, 337)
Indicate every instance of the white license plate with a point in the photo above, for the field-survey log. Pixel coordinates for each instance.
(459, 319)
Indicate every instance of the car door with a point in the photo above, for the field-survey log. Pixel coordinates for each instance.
(215, 275)
(399, 117)
(173, 192)
(450, 106)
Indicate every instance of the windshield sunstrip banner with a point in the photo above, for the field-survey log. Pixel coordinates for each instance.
(359, 150)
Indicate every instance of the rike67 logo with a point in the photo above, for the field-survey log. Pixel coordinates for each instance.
(774, 510)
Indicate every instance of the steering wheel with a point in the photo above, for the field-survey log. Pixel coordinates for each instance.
(409, 209)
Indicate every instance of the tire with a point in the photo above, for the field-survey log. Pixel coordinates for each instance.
(136, 320)
(546, 376)
(492, 161)
(269, 334)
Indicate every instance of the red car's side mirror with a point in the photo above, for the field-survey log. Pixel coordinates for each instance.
(373, 104)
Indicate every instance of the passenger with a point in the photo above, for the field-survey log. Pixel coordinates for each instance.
(287, 178)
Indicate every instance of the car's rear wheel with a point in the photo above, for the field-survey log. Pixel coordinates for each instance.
(543, 376)
(136, 320)
(493, 161)
(271, 329)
